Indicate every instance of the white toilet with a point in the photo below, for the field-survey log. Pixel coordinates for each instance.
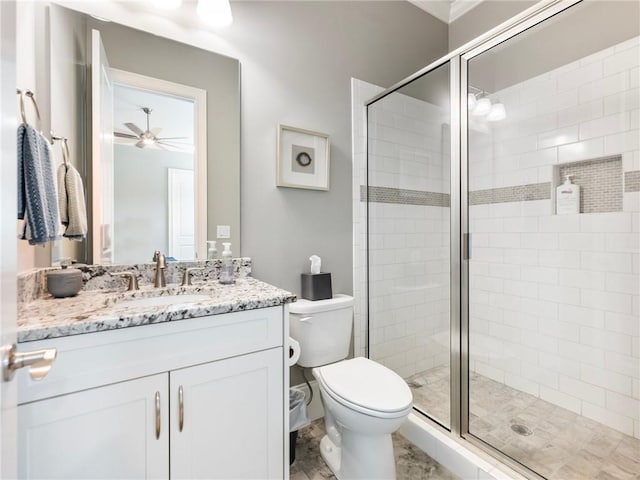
(364, 402)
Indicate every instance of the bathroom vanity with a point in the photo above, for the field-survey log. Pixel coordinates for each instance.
(158, 389)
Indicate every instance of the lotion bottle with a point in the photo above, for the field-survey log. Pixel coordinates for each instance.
(226, 272)
(568, 197)
(212, 252)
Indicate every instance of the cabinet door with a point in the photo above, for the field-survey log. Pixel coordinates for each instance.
(106, 432)
(232, 423)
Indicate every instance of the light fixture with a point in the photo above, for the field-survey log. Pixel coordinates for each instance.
(216, 13)
(497, 112)
(166, 4)
(483, 107)
(471, 101)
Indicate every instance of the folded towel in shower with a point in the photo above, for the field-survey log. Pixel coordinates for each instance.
(73, 209)
(37, 197)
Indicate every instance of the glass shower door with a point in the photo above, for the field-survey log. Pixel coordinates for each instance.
(409, 162)
(553, 320)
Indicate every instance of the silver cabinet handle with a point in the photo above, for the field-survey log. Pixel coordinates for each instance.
(180, 408)
(157, 415)
(38, 361)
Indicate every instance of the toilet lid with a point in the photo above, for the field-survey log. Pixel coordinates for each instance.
(364, 383)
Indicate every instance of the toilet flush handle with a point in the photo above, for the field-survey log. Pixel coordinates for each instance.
(306, 319)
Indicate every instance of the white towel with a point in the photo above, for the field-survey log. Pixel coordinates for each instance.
(73, 209)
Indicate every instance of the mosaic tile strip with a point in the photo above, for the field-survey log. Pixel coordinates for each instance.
(632, 181)
(404, 197)
(519, 193)
(600, 183)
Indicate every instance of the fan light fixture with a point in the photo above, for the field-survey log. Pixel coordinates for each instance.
(483, 107)
(497, 112)
(216, 13)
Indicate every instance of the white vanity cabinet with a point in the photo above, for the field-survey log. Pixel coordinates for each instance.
(198, 398)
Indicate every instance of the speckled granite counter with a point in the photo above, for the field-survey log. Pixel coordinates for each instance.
(101, 310)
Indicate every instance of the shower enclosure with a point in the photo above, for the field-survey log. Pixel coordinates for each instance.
(516, 326)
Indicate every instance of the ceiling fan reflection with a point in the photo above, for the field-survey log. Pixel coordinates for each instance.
(149, 137)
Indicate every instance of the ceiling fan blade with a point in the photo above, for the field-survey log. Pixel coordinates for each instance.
(155, 131)
(134, 128)
(125, 135)
(172, 138)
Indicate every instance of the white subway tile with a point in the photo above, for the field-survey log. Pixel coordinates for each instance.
(612, 302)
(634, 77)
(544, 343)
(566, 99)
(606, 340)
(542, 376)
(596, 57)
(609, 125)
(606, 222)
(510, 302)
(558, 329)
(522, 384)
(632, 42)
(581, 150)
(608, 85)
(582, 241)
(485, 224)
(622, 101)
(581, 316)
(489, 284)
(623, 283)
(606, 262)
(622, 61)
(623, 405)
(584, 391)
(559, 294)
(562, 259)
(490, 372)
(539, 274)
(559, 137)
(581, 113)
(627, 324)
(507, 209)
(621, 142)
(631, 202)
(570, 368)
(623, 242)
(559, 223)
(623, 364)
(521, 289)
(606, 379)
(582, 279)
(590, 356)
(603, 415)
(586, 73)
(561, 399)
(504, 271)
(519, 224)
(504, 240)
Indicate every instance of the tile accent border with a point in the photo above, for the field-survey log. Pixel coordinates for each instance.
(518, 193)
(404, 197)
(632, 181)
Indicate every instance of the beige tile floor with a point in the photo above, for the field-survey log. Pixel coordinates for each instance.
(562, 444)
(411, 462)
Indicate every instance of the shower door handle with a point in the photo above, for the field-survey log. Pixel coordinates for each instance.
(466, 246)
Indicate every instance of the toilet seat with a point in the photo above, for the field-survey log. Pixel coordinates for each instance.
(366, 387)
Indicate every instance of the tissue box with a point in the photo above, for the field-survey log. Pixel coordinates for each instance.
(316, 286)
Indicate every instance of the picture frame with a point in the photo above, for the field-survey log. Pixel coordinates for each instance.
(302, 159)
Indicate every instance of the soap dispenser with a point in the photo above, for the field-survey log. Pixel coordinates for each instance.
(212, 252)
(568, 197)
(226, 272)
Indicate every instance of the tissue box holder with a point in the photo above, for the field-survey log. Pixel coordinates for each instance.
(316, 286)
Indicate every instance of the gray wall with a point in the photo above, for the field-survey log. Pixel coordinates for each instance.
(140, 180)
(297, 63)
(482, 18)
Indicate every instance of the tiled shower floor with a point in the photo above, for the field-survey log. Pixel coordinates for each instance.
(562, 445)
(411, 462)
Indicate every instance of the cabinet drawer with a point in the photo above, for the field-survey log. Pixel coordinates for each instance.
(91, 360)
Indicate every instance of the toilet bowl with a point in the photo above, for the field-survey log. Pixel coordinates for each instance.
(364, 401)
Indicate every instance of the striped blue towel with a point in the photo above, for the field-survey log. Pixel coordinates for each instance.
(37, 198)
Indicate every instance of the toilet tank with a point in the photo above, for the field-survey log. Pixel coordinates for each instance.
(322, 328)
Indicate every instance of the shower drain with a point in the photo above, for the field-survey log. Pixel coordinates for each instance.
(521, 429)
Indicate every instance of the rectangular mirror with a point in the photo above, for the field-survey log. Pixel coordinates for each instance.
(130, 212)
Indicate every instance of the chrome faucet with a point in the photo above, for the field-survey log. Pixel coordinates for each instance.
(161, 265)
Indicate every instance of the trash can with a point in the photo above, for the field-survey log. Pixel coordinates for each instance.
(297, 419)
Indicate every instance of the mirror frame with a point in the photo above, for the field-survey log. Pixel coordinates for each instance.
(199, 98)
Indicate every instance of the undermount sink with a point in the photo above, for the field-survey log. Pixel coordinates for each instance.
(162, 301)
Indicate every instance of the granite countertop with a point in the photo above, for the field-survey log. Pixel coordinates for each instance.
(101, 310)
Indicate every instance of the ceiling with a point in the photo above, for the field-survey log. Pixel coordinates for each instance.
(446, 10)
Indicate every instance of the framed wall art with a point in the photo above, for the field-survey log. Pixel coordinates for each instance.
(302, 159)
